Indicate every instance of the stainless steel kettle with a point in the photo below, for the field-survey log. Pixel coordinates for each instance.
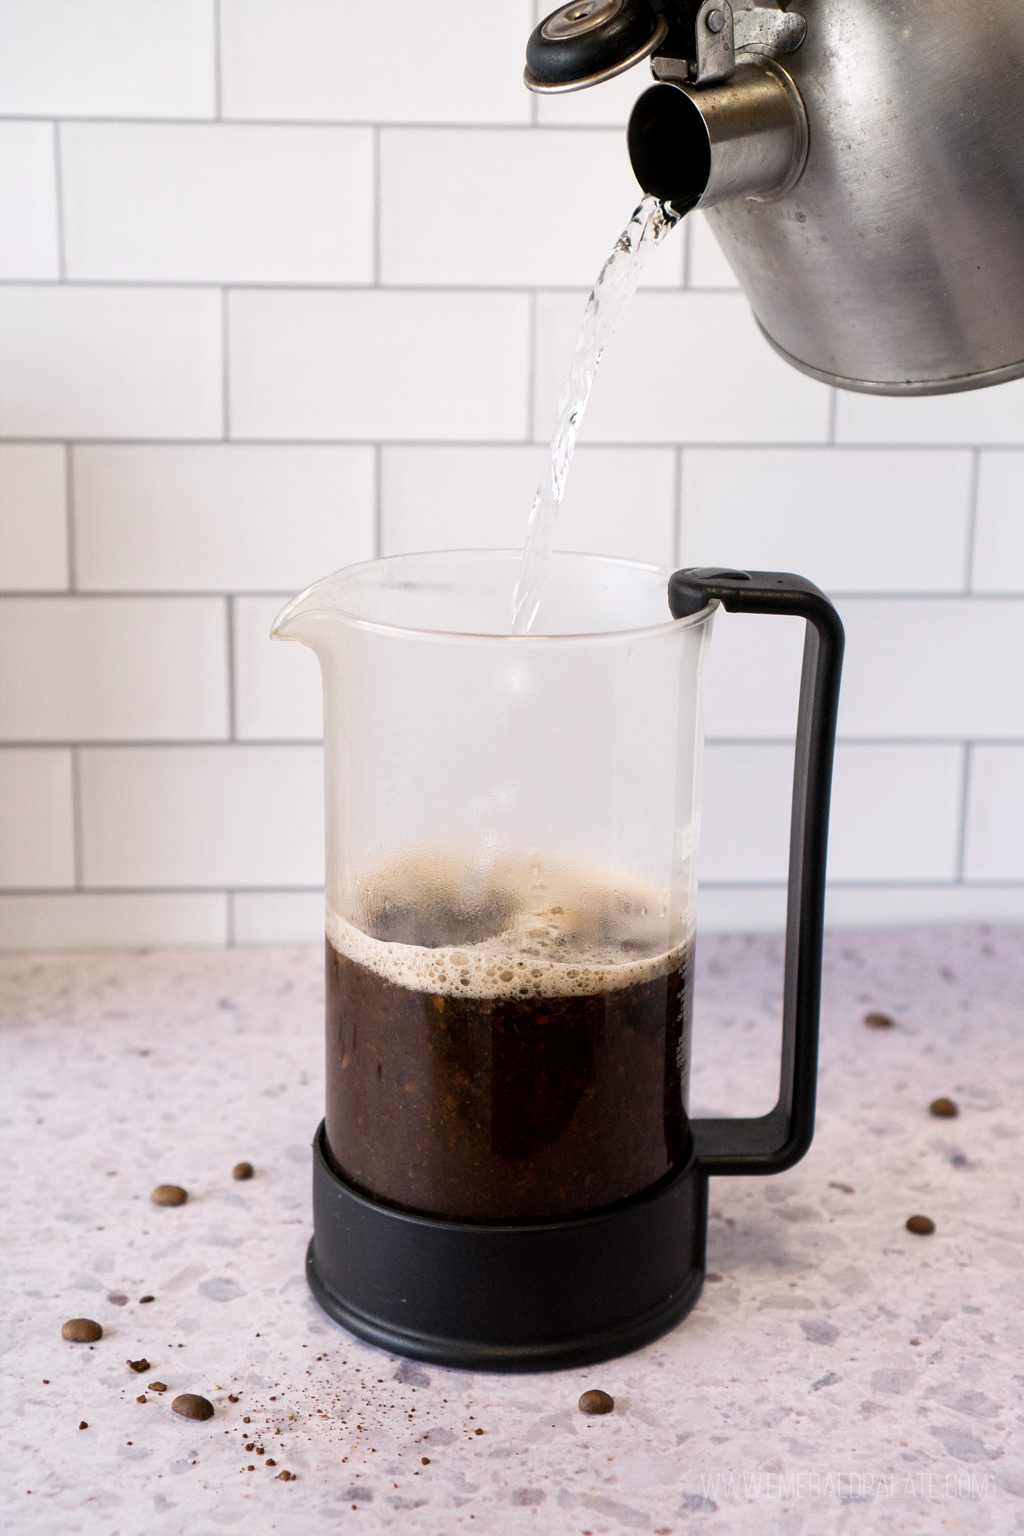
(861, 161)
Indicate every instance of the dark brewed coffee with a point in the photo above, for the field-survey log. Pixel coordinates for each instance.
(509, 1055)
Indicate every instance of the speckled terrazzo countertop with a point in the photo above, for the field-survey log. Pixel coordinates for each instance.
(838, 1374)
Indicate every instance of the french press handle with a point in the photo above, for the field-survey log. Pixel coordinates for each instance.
(773, 1142)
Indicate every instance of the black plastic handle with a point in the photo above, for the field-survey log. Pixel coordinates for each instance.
(774, 1142)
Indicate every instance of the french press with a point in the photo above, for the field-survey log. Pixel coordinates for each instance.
(506, 1177)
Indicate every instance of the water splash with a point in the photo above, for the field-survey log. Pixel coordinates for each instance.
(610, 296)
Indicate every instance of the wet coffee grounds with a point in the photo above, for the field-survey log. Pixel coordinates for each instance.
(169, 1194)
(242, 1171)
(191, 1406)
(596, 1402)
(878, 1021)
(142, 1399)
(286, 1477)
(923, 1225)
(83, 1425)
(945, 1109)
(144, 1299)
(137, 1365)
(81, 1330)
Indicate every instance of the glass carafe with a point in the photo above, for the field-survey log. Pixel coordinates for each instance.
(511, 835)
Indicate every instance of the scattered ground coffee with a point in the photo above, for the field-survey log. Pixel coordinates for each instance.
(83, 1425)
(878, 1021)
(158, 1386)
(596, 1402)
(143, 1300)
(169, 1194)
(191, 1406)
(81, 1330)
(242, 1171)
(923, 1225)
(138, 1366)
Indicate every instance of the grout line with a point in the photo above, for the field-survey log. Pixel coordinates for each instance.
(69, 519)
(15, 594)
(617, 444)
(378, 504)
(58, 187)
(677, 509)
(687, 252)
(965, 789)
(229, 615)
(531, 369)
(225, 380)
(375, 233)
(76, 818)
(909, 884)
(217, 93)
(229, 919)
(243, 743)
(833, 408)
(411, 125)
(972, 519)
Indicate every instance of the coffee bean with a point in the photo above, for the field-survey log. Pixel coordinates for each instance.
(169, 1194)
(81, 1330)
(920, 1224)
(83, 1425)
(945, 1109)
(242, 1171)
(596, 1402)
(143, 1300)
(138, 1366)
(191, 1406)
(158, 1386)
(878, 1021)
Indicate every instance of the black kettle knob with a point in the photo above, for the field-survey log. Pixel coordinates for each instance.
(587, 41)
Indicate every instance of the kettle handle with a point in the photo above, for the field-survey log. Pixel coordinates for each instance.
(773, 1142)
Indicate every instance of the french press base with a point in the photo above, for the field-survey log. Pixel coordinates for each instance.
(530, 1295)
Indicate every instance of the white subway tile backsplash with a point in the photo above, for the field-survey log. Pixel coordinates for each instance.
(112, 920)
(37, 845)
(102, 669)
(681, 367)
(108, 58)
(619, 501)
(354, 61)
(28, 201)
(999, 524)
(993, 415)
(901, 906)
(110, 362)
(708, 267)
(941, 667)
(33, 517)
(607, 105)
(378, 364)
(868, 520)
(752, 679)
(219, 517)
(895, 813)
(524, 182)
(994, 842)
(217, 203)
(278, 917)
(202, 816)
(277, 682)
(745, 818)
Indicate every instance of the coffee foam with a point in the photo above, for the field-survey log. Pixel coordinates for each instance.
(563, 933)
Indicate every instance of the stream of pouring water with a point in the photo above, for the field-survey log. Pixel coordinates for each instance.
(610, 296)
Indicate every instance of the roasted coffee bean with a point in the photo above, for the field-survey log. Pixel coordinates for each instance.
(83, 1425)
(158, 1386)
(878, 1021)
(81, 1330)
(945, 1109)
(242, 1171)
(144, 1299)
(596, 1402)
(169, 1194)
(191, 1406)
(920, 1224)
(138, 1365)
